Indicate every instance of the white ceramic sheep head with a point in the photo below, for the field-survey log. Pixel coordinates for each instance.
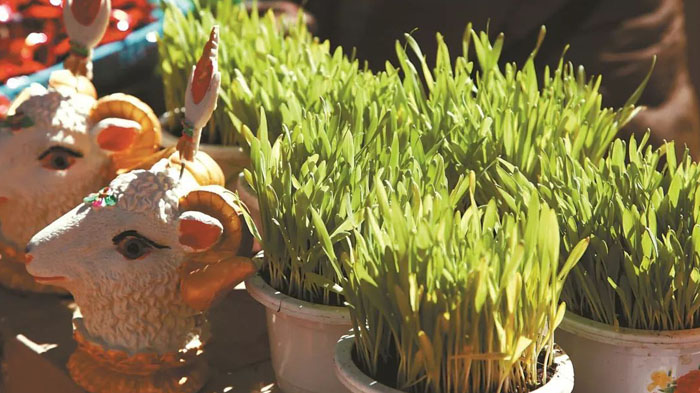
(60, 142)
(144, 258)
(149, 252)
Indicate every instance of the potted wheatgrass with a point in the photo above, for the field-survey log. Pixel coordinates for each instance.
(312, 175)
(311, 182)
(634, 309)
(448, 301)
(476, 111)
(305, 191)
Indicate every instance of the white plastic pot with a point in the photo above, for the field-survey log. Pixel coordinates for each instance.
(358, 382)
(629, 360)
(302, 339)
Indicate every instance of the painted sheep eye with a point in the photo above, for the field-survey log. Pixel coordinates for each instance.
(133, 245)
(133, 248)
(58, 158)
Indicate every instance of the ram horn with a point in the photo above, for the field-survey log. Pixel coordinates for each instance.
(124, 106)
(65, 79)
(223, 205)
(207, 275)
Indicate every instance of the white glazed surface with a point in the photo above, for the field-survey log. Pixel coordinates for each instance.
(90, 35)
(130, 305)
(302, 339)
(626, 360)
(358, 382)
(35, 195)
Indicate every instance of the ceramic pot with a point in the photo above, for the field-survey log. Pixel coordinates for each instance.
(302, 339)
(358, 382)
(630, 360)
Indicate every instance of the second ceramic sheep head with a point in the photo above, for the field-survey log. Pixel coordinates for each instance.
(60, 142)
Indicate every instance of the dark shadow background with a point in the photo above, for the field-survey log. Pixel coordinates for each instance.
(692, 25)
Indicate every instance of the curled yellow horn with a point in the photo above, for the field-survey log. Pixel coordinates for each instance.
(221, 204)
(208, 275)
(65, 79)
(128, 107)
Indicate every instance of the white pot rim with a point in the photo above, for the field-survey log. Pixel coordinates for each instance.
(278, 302)
(357, 381)
(627, 337)
(349, 374)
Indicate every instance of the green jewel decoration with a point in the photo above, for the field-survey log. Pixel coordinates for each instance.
(79, 49)
(102, 198)
(187, 128)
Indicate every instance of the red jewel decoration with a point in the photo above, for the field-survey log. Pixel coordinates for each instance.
(4, 106)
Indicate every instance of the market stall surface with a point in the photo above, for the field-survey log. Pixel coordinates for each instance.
(36, 341)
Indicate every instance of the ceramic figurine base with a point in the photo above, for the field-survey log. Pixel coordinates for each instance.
(112, 371)
(238, 353)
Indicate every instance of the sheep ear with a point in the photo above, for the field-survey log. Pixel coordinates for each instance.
(116, 135)
(198, 231)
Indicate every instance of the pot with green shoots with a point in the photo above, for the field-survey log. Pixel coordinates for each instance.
(634, 299)
(448, 301)
(633, 323)
(301, 187)
(309, 169)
